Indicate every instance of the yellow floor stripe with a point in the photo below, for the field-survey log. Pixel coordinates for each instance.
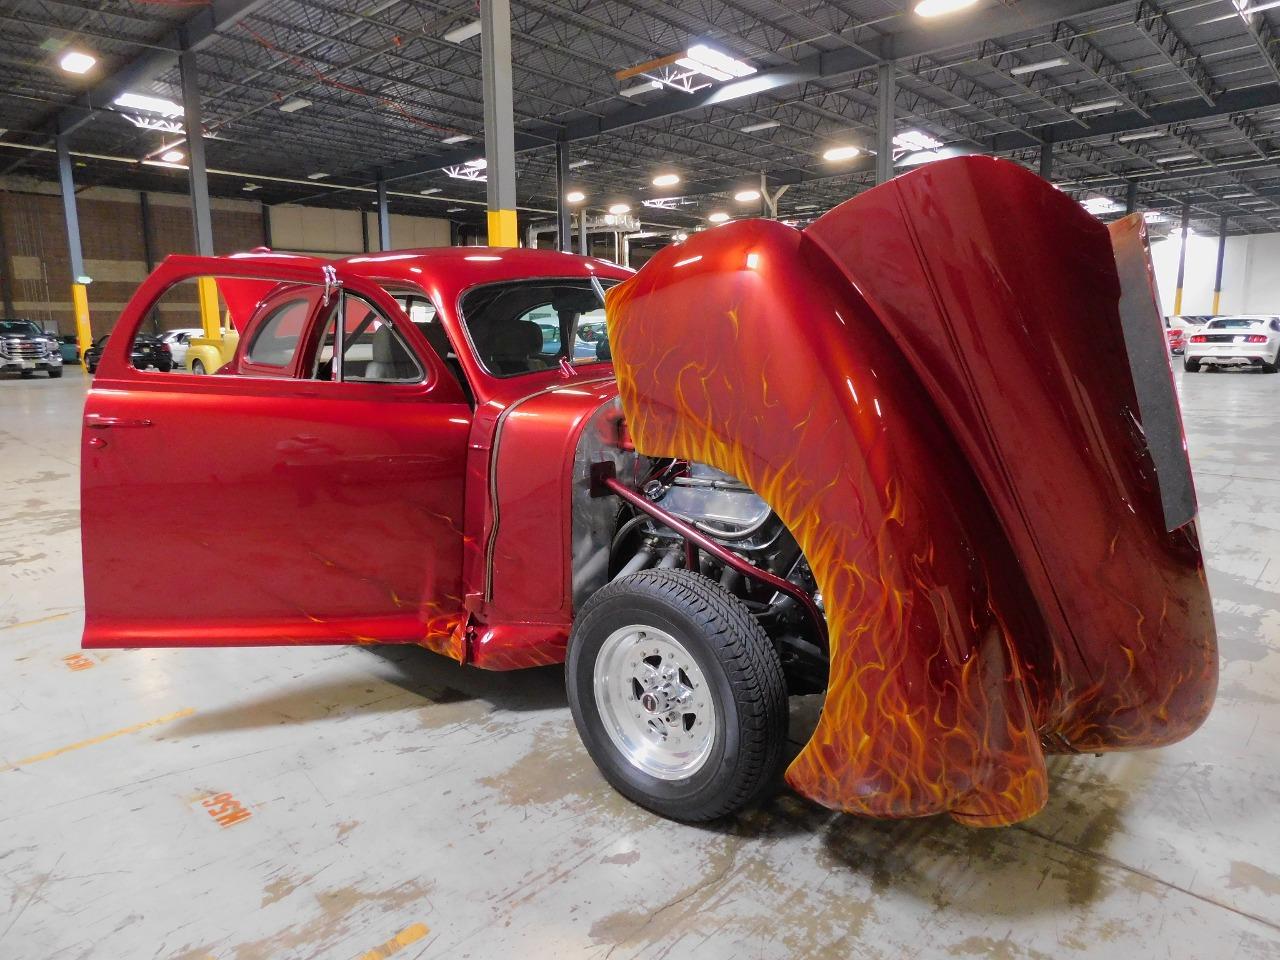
(32, 623)
(402, 939)
(50, 754)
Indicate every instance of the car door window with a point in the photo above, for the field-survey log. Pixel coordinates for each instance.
(277, 339)
(372, 351)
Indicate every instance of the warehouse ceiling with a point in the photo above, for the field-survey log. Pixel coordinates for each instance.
(1181, 98)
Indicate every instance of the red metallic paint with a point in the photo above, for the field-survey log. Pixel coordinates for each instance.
(346, 499)
(994, 571)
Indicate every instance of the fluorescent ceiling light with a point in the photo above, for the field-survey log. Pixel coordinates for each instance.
(580, 163)
(1253, 203)
(718, 217)
(455, 210)
(464, 32)
(137, 101)
(618, 209)
(76, 62)
(457, 138)
(1235, 196)
(316, 176)
(916, 140)
(841, 153)
(746, 196)
(806, 206)
(666, 180)
(479, 163)
(575, 196)
(429, 191)
(757, 127)
(640, 88)
(1175, 157)
(250, 187)
(938, 8)
(1099, 205)
(1026, 68)
(714, 63)
(1097, 105)
(171, 156)
(1144, 135)
(294, 104)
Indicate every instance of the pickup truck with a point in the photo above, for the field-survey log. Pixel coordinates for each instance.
(26, 348)
(875, 457)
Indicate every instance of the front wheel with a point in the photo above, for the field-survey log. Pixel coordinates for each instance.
(678, 694)
(197, 367)
(1189, 365)
(55, 373)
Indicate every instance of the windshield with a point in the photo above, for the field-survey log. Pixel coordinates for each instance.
(20, 327)
(519, 327)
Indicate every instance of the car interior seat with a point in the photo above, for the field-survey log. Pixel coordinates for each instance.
(390, 361)
(514, 347)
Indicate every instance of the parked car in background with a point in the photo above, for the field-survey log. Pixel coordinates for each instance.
(179, 342)
(1188, 322)
(1252, 341)
(1177, 337)
(147, 351)
(26, 348)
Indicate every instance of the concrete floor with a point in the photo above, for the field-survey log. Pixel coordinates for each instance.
(400, 804)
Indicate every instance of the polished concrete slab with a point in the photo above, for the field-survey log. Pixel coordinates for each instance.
(344, 802)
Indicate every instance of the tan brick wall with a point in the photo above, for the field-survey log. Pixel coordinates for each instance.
(112, 246)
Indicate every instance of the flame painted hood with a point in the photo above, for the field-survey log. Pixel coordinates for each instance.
(932, 386)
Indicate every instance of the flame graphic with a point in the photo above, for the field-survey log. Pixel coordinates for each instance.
(753, 348)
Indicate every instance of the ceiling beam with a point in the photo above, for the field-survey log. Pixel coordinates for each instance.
(904, 44)
(195, 33)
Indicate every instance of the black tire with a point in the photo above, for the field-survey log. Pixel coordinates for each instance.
(165, 367)
(55, 373)
(1189, 365)
(197, 367)
(1273, 366)
(743, 676)
(91, 367)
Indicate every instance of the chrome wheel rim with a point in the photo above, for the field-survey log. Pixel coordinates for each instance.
(654, 702)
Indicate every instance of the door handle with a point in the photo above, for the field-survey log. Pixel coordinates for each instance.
(95, 422)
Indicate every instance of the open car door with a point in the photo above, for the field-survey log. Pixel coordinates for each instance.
(277, 502)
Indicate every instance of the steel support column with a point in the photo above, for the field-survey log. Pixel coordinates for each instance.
(1046, 160)
(1131, 197)
(6, 273)
(266, 226)
(499, 122)
(384, 216)
(198, 183)
(1222, 256)
(584, 247)
(564, 217)
(1182, 259)
(886, 90)
(79, 281)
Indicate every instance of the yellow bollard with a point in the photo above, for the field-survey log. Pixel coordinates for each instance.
(80, 307)
(207, 291)
(502, 229)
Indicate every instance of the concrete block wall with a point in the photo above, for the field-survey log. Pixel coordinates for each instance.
(1250, 273)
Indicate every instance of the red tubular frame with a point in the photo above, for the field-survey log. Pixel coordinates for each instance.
(604, 479)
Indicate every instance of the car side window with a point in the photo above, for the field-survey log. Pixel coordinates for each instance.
(372, 350)
(277, 338)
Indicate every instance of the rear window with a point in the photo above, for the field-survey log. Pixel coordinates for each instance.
(1235, 323)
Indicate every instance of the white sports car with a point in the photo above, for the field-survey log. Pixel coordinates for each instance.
(177, 341)
(1235, 341)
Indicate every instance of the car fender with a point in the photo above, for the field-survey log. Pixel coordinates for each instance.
(905, 383)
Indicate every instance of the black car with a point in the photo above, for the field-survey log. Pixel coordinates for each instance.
(147, 352)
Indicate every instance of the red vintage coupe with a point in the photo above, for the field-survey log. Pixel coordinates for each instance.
(878, 457)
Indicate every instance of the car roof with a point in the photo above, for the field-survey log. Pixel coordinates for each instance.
(1255, 317)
